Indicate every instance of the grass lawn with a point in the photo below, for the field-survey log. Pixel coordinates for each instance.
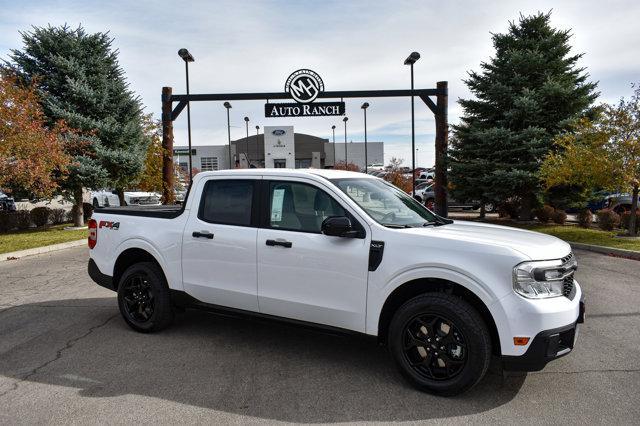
(22, 240)
(575, 234)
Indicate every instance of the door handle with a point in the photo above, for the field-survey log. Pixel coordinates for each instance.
(203, 234)
(286, 244)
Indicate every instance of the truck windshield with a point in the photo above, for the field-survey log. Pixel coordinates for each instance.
(386, 204)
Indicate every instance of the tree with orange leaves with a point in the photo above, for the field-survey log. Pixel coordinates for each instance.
(32, 157)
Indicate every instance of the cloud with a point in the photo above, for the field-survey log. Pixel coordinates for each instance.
(253, 46)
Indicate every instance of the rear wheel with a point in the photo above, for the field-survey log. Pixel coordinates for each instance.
(440, 344)
(143, 298)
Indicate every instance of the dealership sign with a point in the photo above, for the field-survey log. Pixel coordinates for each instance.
(318, 109)
(304, 86)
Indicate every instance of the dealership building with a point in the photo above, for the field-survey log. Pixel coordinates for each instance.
(279, 147)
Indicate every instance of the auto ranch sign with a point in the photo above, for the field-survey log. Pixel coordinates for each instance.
(304, 86)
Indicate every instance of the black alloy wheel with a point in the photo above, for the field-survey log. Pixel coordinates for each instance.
(144, 298)
(434, 347)
(138, 298)
(440, 343)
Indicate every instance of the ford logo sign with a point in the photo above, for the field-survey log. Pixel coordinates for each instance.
(278, 132)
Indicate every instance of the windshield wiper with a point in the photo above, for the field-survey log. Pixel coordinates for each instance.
(396, 226)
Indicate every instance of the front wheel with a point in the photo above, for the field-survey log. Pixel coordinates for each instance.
(144, 299)
(440, 344)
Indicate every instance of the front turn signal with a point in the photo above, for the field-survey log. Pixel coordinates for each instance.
(520, 341)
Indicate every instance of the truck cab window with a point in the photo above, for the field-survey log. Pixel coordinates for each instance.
(227, 202)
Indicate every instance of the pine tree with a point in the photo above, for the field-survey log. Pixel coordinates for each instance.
(81, 83)
(524, 96)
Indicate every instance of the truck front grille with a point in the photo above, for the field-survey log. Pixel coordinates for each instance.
(568, 288)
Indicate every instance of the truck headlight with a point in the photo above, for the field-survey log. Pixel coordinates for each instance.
(541, 279)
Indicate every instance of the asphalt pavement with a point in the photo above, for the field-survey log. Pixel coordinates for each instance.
(66, 356)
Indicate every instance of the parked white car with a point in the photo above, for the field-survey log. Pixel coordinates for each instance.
(109, 198)
(352, 253)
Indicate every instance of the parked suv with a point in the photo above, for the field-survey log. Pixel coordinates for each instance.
(348, 252)
(429, 198)
(7, 204)
(109, 198)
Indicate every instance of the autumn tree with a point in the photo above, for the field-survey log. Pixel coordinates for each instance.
(151, 177)
(32, 157)
(603, 153)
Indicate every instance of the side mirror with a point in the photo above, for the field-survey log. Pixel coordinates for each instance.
(338, 226)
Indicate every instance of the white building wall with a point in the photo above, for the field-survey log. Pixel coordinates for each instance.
(279, 145)
(355, 153)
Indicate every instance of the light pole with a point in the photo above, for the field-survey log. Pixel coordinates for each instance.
(187, 57)
(333, 129)
(345, 141)
(227, 105)
(364, 108)
(257, 138)
(411, 59)
(246, 145)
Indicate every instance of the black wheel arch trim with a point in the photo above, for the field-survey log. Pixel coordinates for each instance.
(98, 277)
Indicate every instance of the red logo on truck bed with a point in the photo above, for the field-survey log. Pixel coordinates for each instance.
(108, 224)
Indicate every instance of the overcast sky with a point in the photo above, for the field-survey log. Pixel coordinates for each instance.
(249, 46)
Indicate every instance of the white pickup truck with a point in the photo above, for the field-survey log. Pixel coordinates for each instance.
(349, 252)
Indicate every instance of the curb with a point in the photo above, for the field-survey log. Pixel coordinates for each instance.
(628, 254)
(39, 250)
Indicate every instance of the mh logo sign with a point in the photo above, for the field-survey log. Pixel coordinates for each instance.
(304, 86)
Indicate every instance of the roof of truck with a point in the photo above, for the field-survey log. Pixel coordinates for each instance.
(326, 173)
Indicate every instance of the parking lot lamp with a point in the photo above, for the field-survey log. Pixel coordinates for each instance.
(333, 129)
(411, 59)
(227, 105)
(345, 141)
(364, 108)
(246, 145)
(187, 57)
(257, 138)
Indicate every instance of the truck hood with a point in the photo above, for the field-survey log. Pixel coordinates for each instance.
(533, 245)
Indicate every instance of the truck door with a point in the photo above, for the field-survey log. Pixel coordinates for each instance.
(219, 244)
(302, 273)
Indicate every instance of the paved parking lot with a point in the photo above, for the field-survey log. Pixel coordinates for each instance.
(66, 356)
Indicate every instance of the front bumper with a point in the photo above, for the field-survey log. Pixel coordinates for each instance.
(547, 346)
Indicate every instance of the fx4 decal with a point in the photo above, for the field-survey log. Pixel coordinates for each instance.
(111, 225)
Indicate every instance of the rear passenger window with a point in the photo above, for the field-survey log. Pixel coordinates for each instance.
(227, 202)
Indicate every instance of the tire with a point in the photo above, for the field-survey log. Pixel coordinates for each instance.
(465, 359)
(96, 204)
(418, 198)
(144, 299)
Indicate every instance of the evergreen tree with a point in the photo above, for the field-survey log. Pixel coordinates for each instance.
(529, 92)
(81, 83)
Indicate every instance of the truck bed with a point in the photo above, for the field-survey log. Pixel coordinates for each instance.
(162, 211)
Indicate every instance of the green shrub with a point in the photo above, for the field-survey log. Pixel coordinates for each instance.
(508, 209)
(40, 216)
(559, 217)
(22, 219)
(607, 219)
(544, 213)
(585, 218)
(58, 216)
(625, 219)
(7, 221)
